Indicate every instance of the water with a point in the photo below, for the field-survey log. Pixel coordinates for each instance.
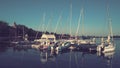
(26, 57)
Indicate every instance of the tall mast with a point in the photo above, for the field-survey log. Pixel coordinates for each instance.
(48, 23)
(38, 29)
(43, 25)
(108, 18)
(109, 22)
(70, 17)
(82, 21)
(81, 12)
(58, 22)
(81, 16)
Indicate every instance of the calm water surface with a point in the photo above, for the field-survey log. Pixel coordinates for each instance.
(26, 57)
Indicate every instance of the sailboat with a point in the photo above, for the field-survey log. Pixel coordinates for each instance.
(45, 41)
(84, 40)
(20, 40)
(85, 43)
(108, 45)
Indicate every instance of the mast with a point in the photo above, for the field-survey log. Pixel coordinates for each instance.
(58, 22)
(82, 21)
(70, 18)
(23, 33)
(15, 26)
(111, 33)
(79, 21)
(109, 22)
(43, 25)
(40, 25)
(81, 16)
(48, 23)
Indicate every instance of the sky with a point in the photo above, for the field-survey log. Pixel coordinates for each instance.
(58, 15)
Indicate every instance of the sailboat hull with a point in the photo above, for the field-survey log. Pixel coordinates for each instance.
(109, 48)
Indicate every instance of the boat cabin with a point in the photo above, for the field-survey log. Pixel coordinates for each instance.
(49, 37)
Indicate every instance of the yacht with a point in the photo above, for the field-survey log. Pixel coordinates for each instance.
(106, 46)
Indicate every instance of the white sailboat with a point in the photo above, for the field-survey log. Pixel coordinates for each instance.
(83, 40)
(108, 45)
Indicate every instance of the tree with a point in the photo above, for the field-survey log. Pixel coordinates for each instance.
(4, 29)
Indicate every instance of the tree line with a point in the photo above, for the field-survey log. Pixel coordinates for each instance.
(18, 31)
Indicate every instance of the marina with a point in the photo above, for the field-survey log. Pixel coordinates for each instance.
(26, 56)
(59, 34)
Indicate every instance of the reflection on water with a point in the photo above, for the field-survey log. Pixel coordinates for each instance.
(21, 48)
(3, 47)
(107, 58)
(76, 57)
(47, 56)
(53, 59)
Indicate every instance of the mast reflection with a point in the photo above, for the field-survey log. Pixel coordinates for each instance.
(108, 56)
(46, 56)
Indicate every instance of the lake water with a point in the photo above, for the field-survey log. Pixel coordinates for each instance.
(26, 57)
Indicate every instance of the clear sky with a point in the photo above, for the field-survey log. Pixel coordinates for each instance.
(42, 14)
